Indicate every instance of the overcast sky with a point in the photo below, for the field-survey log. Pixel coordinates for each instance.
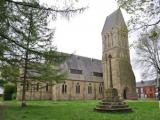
(82, 33)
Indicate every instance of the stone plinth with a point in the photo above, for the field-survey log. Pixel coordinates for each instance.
(112, 103)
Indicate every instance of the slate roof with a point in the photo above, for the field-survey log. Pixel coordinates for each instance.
(114, 19)
(87, 65)
(146, 83)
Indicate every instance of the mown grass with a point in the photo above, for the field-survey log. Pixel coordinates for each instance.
(77, 110)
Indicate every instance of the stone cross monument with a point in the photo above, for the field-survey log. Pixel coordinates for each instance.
(111, 102)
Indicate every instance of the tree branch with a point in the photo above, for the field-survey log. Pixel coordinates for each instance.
(37, 6)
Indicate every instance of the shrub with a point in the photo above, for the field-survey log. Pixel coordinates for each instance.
(9, 90)
(1, 95)
(14, 96)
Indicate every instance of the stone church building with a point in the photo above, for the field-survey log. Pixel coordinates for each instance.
(89, 78)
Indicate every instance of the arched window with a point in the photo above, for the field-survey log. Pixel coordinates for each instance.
(108, 38)
(27, 86)
(100, 88)
(77, 88)
(105, 44)
(64, 88)
(37, 86)
(111, 39)
(46, 86)
(89, 88)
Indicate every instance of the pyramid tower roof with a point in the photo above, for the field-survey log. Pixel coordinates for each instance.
(114, 19)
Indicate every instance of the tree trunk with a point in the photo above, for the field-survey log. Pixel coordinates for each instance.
(24, 78)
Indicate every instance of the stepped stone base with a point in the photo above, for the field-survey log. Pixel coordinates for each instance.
(112, 103)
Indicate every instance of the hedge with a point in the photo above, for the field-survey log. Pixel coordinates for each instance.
(9, 90)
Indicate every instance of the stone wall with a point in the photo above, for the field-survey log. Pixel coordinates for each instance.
(81, 70)
(55, 92)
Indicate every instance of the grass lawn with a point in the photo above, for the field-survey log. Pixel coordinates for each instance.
(77, 110)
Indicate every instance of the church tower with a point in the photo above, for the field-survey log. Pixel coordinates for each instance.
(115, 44)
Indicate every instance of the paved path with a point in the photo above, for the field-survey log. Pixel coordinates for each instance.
(2, 111)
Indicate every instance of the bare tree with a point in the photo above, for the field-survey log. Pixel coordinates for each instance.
(148, 53)
(144, 13)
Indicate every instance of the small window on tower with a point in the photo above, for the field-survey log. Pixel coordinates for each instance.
(105, 37)
(100, 88)
(108, 40)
